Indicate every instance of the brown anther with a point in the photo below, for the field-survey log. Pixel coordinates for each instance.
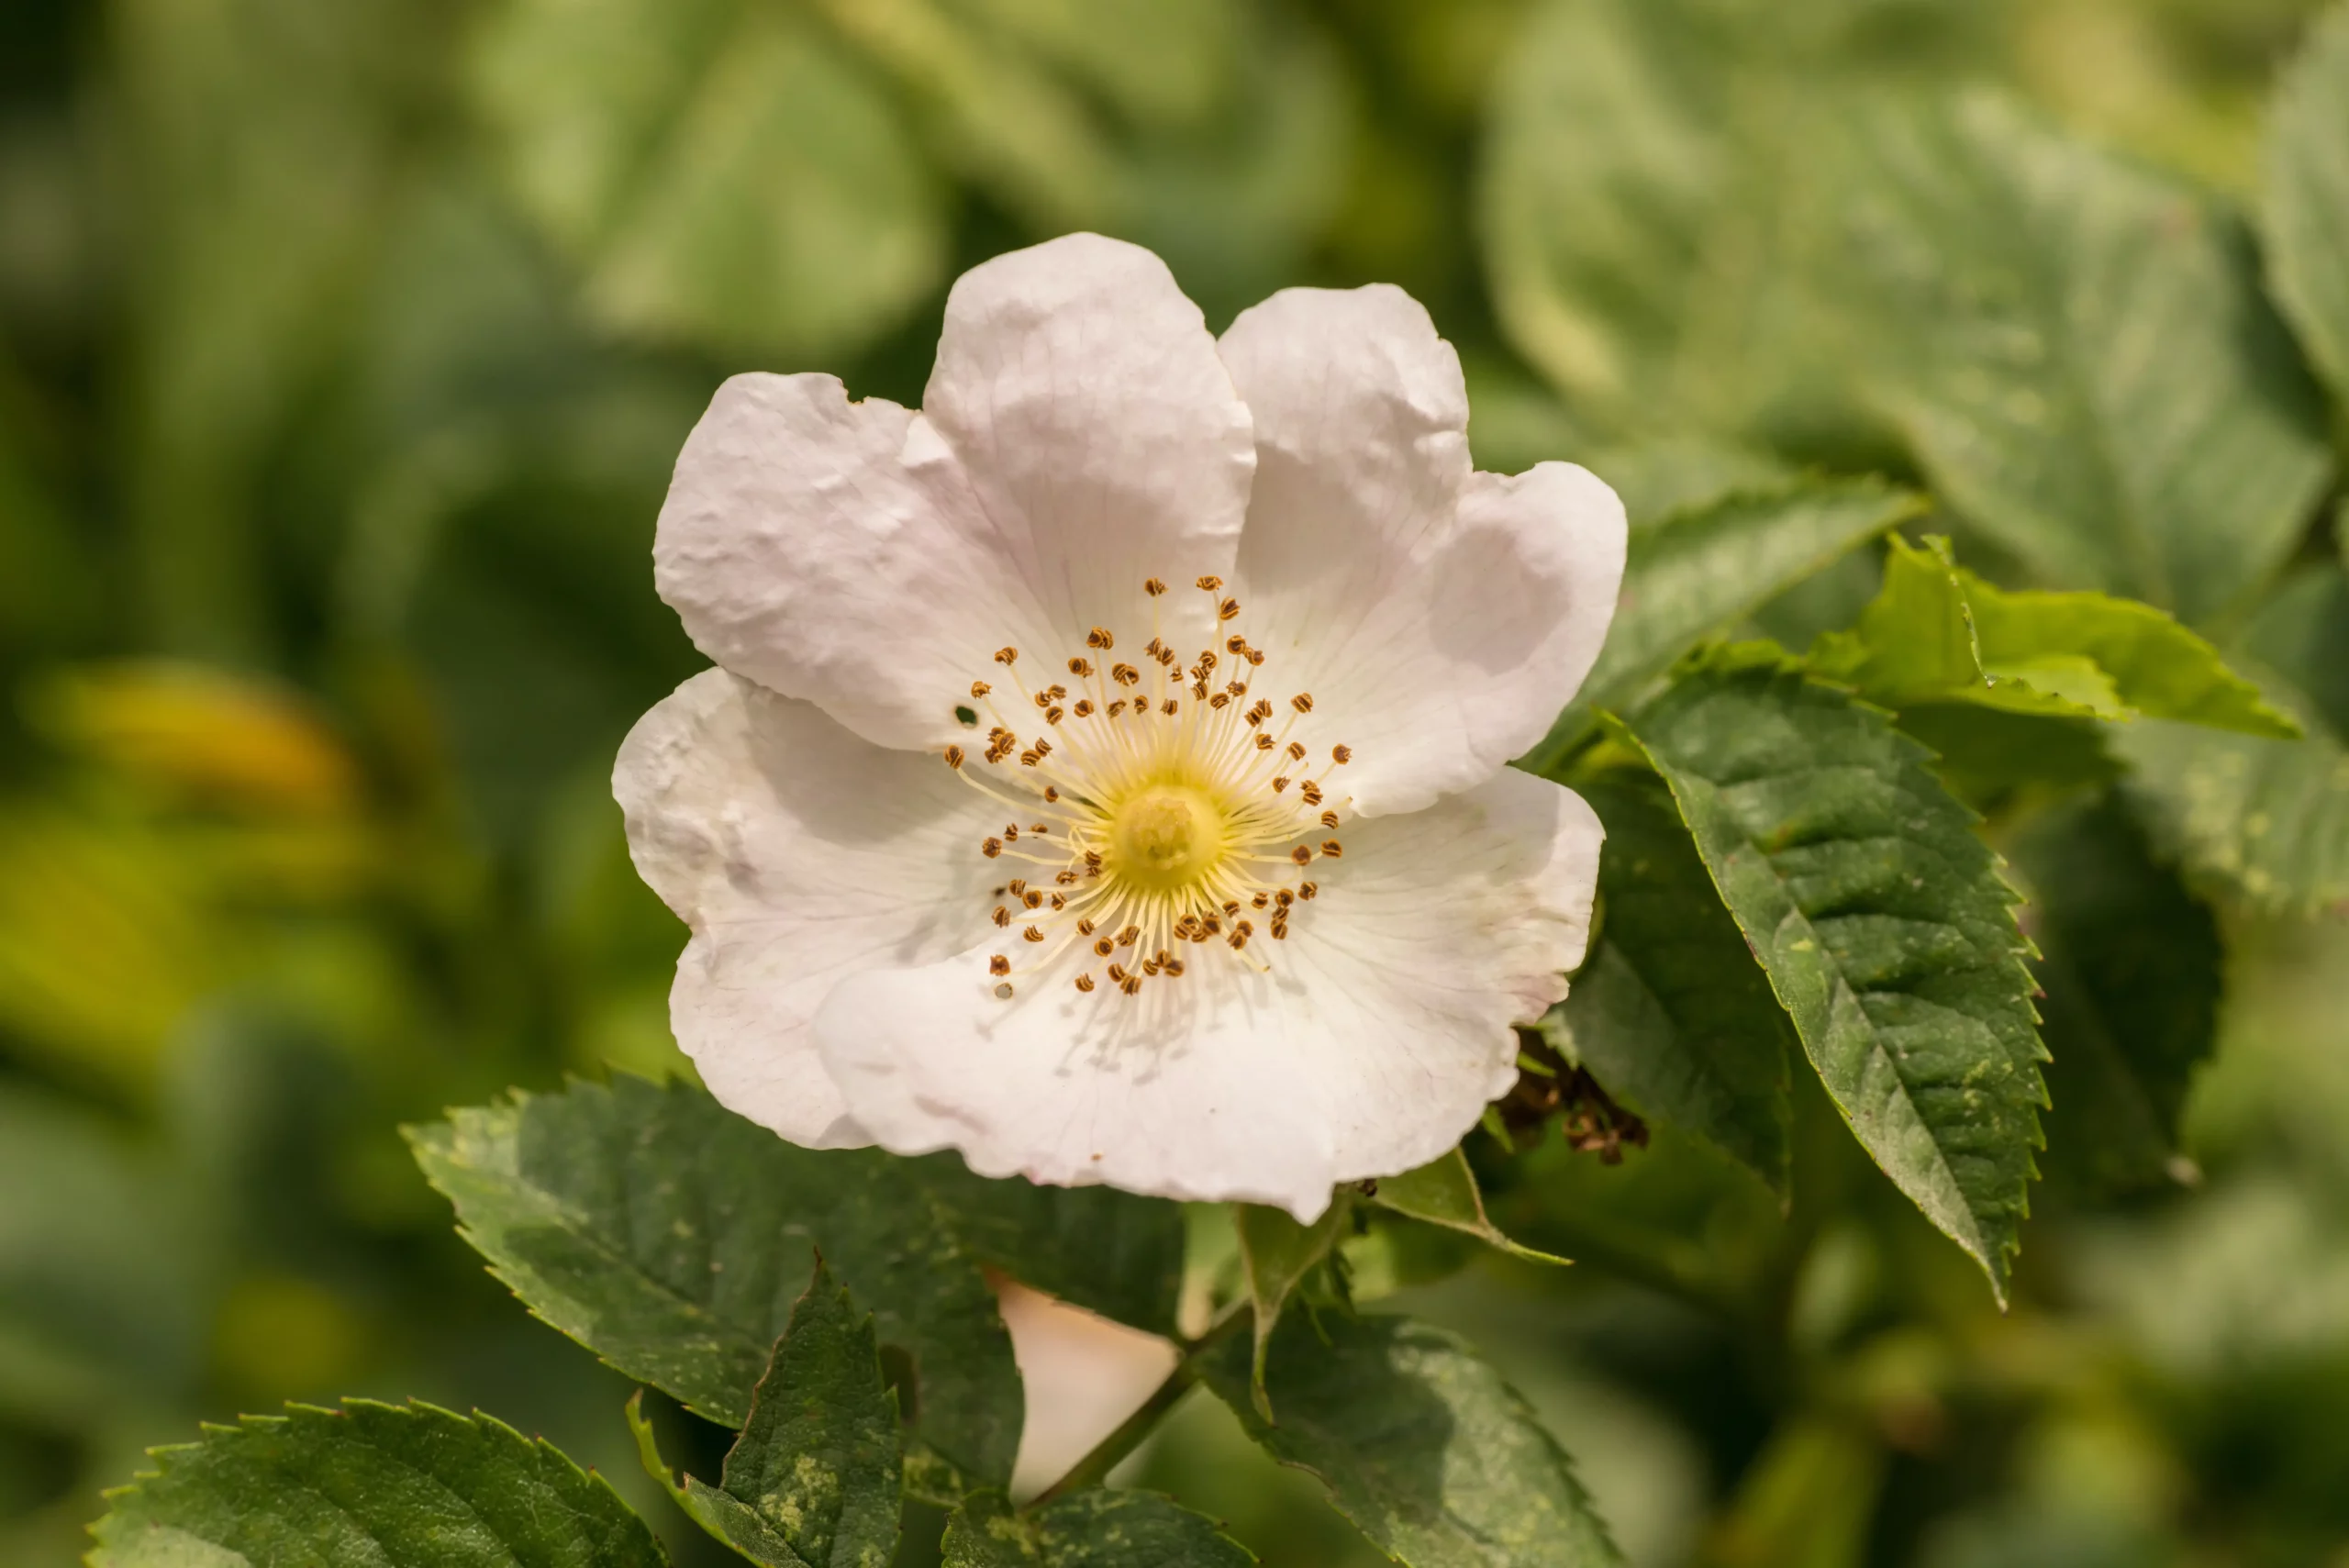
(1125, 674)
(1002, 917)
(954, 756)
(1099, 637)
(1280, 931)
(1239, 937)
(1261, 712)
(1154, 587)
(980, 689)
(1302, 702)
(1131, 985)
(992, 848)
(1329, 819)
(1017, 886)
(1238, 688)
(1236, 643)
(1085, 982)
(1260, 900)
(1154, 647)
(1172, 966)
(1093, 858)
(1056, 691)
(1279, 784)
(1116, 972)
(1341, 755)
(1053, 716)
(1168, 707)
(998, 964)
(1042, 699)
(1296, 750)
(1332, 848)
(1206, 659)
(1301, 855)
(1263, 742)
(1199, 690)
(1080, 667)
(1306, 890)
(1231, 906)
(1226, 610)
(1219, 699)
(1032, 934)
(1312, 794)
(1255, 656)
(1067, 879)
(1284, 899)
(1033, 899)
(1051, 793)
(1058, 901)
(1085, 927)
(1084, 708)
(1105, 947)
(1029, 759)
(1007, 656)
(1011, 832)
(1126, 938)
(1040, 829)
(1210, 584)
(1149, 966)
(1044, 748)
(1115, 708)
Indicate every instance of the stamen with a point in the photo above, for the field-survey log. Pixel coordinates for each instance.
(1098, 638)
(1154, 587)
(1007, 656)
(1085, 982)
(954, 757)
(998, 964)
(980, 689)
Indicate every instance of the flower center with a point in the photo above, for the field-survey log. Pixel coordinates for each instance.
(1164, 808)
(1167, 838)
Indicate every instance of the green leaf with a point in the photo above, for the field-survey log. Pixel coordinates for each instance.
(1661, 202)
(2267, 821)
(1089, 1530)
(2130, 965)
(723, 172)
(1672, 1013)
(1276, 1254)
(671, 1237)
(1881, 921)
(1108, 1252)
(403, 1486)
(817, 1468)
(2306, 205)
(2077, 351)
(1420, 1443)
(1443, 1192)
(1938, 633)
(1698, 574)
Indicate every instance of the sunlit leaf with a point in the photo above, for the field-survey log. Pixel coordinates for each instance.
(2079, 355)
(405, 1486)
(1697, 573)
(1444, 1192)
(1420, 1442)
(1883, 924)
(1276, 1254)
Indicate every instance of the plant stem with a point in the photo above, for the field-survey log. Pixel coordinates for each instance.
(1104, 1456)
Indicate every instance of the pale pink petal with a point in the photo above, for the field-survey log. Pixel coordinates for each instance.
(1083, 1376)
(1439, 618)
(1381, 1030)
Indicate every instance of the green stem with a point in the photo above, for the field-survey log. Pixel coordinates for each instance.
(1106, 1455)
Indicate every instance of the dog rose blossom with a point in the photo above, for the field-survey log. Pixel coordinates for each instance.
(1104, 771)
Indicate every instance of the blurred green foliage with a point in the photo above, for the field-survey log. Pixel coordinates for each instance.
(344, 350)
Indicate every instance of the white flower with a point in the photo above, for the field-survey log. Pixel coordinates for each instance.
(1104, 773)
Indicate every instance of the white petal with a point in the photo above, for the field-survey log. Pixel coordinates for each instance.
(1087, 398)
(1081, 435)
(1375, 1041)
(1082, 1375)
(1439, 618)
(798, 854)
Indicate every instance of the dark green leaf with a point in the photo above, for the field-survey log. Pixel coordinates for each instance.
(1882, 922)
(1420, 1443)
(2130, 963)
(1276, 1254)
(1443, 1192)
(672, 1237)
(2307, 197)
(2079, 355)
(1672, 1013)
(403, 1486)
(1090, 1530)
(1109, 1251)
(817, 1468)
(1699, 573)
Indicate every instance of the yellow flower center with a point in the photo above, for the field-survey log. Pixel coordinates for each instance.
(1167, 838)
(1165, 807)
